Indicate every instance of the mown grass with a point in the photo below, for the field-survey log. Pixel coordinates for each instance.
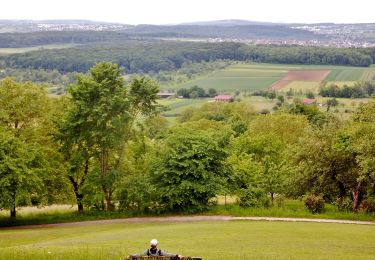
(210, 240)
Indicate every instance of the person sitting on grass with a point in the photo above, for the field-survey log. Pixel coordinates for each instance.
(154, 251)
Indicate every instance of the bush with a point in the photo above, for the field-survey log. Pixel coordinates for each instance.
(314, 204)
(344, 205)
(264, 111)
(368, 205)
(280, 200)
(136, 193)
(254, 197)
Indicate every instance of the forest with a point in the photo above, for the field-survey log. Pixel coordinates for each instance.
(152, 56)
(106, 147)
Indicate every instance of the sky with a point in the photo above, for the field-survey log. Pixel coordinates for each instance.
(182, 11)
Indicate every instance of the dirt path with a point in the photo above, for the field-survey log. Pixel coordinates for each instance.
(186, 219)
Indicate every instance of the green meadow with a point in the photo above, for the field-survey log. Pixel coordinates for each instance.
(7, 51)
(209, 240)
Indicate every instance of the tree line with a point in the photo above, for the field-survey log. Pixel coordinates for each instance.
(105, 147)
(359, 90)
(155, 56)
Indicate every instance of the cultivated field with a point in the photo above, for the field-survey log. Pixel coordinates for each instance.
(7, 51)
(259, 76)
(210, 240)
(347, 74)
(242, 77)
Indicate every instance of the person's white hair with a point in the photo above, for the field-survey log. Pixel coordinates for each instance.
(154, 242)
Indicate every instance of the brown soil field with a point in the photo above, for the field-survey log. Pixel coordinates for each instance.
(306, 75)
(280, 84)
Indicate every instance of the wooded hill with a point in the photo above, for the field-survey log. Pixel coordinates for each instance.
(154, 56)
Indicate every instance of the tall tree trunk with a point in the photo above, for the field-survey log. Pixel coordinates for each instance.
(108, 201)
(355, 194)
(79, 197)
(104, 174)
(77, 187)
(14, 195)
(13, 212)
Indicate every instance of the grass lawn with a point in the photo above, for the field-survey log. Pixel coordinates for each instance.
(210, 240)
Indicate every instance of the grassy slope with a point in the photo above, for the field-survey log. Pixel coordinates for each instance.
(215, 240)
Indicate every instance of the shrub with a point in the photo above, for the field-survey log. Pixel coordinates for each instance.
(344, 205)
(264, 111)
(280, 200)
(368, 205)
(254, 197)
(314, 203)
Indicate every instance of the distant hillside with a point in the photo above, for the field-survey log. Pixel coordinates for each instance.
(83, 31)
(230, 22)
(229, 31)
(25, 26)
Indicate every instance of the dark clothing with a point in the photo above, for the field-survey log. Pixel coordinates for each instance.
(155, 252)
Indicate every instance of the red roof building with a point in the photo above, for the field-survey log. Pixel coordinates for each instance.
(224, 98)
(309, 101)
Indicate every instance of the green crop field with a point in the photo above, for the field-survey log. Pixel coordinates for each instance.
(346, 74)
(304, 86)
(177, 105)
(260, 76)
(243, 77)
(341, 83)
(209, 240)
(368, 75)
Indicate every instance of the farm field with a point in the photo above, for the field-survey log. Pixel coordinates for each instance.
(211, 240)
(304, 86)
(242, 77)
(260, 76)
(352, 74)
(176, 106)
(6, 51)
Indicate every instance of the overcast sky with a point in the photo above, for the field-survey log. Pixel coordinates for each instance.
(179, 11)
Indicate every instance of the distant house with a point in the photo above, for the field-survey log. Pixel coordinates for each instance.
(165, 94)
(224, 98)
(309, 101)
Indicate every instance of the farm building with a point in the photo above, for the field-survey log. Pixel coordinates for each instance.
(224, 98)
(165, 94)
(309, 101)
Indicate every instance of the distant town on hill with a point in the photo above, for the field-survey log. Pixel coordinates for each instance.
(243, 31)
